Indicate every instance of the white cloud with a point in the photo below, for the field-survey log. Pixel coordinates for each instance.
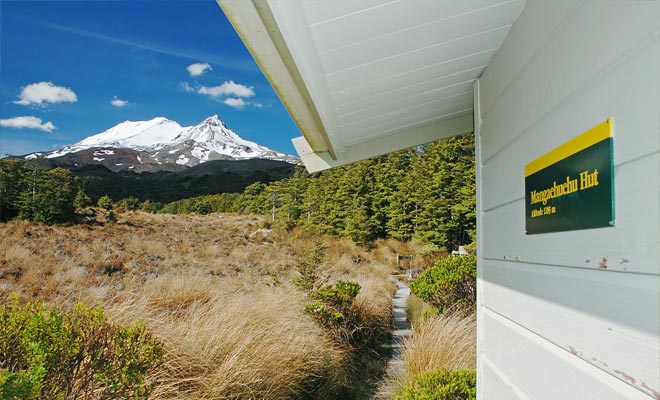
(229, 88)
(118, 102)
(229, 93)
(198, 68)
(45, 92)
(27, 122)
(234, 102)
(185, 86)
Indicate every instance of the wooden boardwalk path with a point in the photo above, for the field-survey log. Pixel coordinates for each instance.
(401, 330)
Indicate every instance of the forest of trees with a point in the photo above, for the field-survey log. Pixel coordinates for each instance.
(48, 196)
(426, 192)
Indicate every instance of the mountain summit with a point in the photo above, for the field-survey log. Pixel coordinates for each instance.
(161, 144)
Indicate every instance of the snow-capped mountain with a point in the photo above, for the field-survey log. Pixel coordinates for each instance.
(162, 144)
(138, 135)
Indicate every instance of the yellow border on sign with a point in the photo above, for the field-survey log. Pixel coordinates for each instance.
(592, 136)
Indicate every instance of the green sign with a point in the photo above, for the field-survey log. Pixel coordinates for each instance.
(572, 186)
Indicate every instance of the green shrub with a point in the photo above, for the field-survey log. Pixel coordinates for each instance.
(129, 203)
(333, 303)
(321, 312)
(47, 196)
(45, 354)
(308, 263)
(105, 202)
(442, 384)
(151, 206)
(203, 205)
(339, 295)
(451, 282)
(81, 200)
(347, 323)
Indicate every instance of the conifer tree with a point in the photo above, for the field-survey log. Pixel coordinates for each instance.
(426, 192)
(105, 202)
(254, 199)
(11, 178)
(447, 198)
(48, 196)
(81, 200)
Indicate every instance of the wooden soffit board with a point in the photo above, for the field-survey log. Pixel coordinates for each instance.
(364, 78)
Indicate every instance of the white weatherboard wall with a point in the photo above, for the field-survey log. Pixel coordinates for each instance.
(553, 323)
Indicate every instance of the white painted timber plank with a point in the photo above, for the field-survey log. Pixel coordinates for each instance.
(415, 59)
(348, 115)
(610, 320)
(406, 116)
(319, 12)
(543, 371)
(418, 124)
(401, 16)
(534, 25)
(293, 26)
(495, 384)
(571, 315)
(633, 103)
(270, 52)
(410, 91)
(396, 141)
(387, 42)
(634, 306)
(631, 245)
(572, 61)
(415, 78)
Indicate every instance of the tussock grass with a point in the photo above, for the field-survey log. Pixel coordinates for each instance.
(439, 341)
(442, 341)
(221, 300)
(224, 344)
(418, 310)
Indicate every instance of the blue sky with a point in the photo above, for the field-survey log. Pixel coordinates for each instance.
(72, 69)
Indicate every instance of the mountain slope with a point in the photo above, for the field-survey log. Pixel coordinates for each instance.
(160, 145)
(138, 135)
(219, 176)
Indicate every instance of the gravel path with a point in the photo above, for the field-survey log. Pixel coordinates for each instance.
(400, 327)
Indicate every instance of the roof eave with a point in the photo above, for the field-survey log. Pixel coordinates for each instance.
(318, 161)
(253, 20)
(255, 24)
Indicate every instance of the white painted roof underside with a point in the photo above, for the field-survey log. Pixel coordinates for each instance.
(367, 77)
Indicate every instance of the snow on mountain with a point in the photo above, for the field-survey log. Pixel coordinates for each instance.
(213, 136)
(161, 141)
(138, 135)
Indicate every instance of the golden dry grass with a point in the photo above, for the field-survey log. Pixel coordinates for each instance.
(447, 340)
(232, 345)
(442, 341)
(218, 296)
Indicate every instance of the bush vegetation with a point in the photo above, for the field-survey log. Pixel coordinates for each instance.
(104, 202)
(46, 354)
(440, 358)
(449, 283)
(210, 285)
(426, 193)
(442, 384)
(129, 203)
(218, 293)
(335, 308)
(216, 203)
(45, 196)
